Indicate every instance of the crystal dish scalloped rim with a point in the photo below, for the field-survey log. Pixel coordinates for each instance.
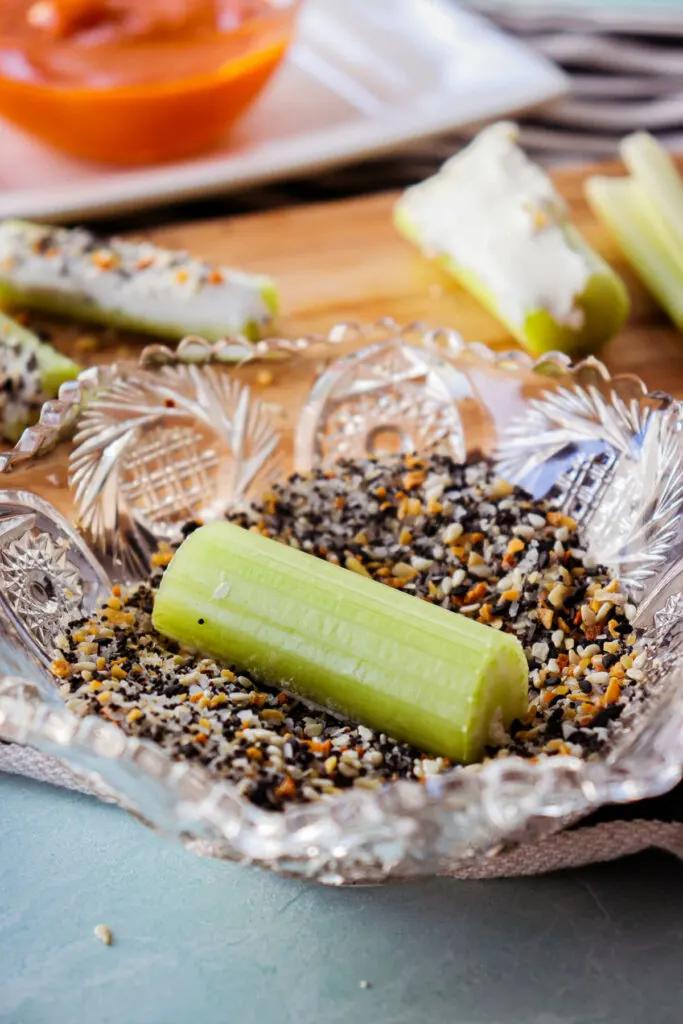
(404, 830)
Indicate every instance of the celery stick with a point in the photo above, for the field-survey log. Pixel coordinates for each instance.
(626, 211)
(602, 306)
(661, 190)
(644, 212)
(654, 170)
(416, 671)
(31, 371)
(496, 223)
(137, 286)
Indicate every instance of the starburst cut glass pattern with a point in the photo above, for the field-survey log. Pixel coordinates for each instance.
(40, 580)
(156, 449)
(47, 575)
(615, 455)
(386, 398)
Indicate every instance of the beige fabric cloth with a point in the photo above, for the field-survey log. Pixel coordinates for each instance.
(573, 848)
(28, 762)
(591, 844)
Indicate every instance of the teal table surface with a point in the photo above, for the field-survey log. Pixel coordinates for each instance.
(204, 942)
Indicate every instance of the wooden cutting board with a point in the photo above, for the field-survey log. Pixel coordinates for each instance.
(344, 261)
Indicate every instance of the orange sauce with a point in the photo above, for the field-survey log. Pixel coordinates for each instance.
(136, 81)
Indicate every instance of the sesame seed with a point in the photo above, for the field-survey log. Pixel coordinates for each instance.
(557, 595)
(598, 678)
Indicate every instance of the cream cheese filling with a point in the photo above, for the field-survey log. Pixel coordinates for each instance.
(497, 215)
(145, 283)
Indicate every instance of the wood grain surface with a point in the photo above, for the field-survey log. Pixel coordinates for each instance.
(344, 260)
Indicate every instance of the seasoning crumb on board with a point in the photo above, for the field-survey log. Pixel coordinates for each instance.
(448, 534)
(104, 934)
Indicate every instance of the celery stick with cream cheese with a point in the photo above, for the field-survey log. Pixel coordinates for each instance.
(132, 285)
(495, 221)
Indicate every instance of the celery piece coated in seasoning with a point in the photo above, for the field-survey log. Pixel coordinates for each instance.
(413, 670)
(31, 371)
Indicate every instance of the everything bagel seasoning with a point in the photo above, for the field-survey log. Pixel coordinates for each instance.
(448, 534)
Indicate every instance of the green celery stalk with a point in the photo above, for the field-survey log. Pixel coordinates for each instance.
(413, 670)
(656, 173)
(604, 301)
(490, 196)
(644, 213)
(627, 211)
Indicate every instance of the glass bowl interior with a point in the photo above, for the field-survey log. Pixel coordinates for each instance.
(192, 432)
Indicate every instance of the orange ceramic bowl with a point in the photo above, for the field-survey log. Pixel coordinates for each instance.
(150, 115)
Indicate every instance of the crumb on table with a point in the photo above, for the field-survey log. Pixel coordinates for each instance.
(104, 934)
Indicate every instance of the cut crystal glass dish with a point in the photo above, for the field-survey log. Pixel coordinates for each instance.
(131, 451)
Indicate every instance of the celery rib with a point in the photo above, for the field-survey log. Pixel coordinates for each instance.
(619, 203)
(644, 213)
(413, 670)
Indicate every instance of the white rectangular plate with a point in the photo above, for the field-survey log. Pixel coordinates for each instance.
(363, 77)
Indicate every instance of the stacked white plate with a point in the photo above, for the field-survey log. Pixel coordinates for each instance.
(363, 77)
(624, 59)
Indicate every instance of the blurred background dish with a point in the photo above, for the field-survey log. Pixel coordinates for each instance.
(122, 82)
(360, 78)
